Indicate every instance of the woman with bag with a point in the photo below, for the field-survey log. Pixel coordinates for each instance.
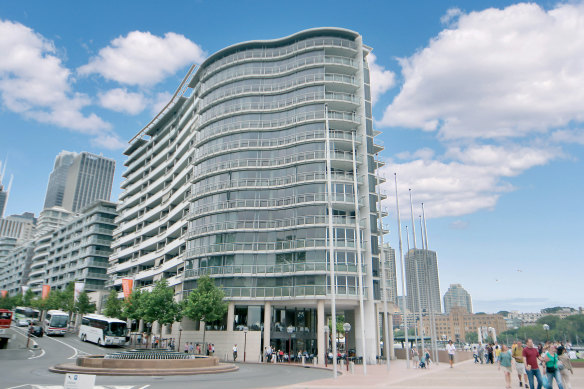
(504, 360)
(565, 366)
(550, 359)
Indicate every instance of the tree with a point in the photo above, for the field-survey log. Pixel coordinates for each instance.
(159, 305)
(84, 305)
(113, 305)
(7, 302)
(471, 337)
(132, 307)
(28, 297)
(205, 303)
(66, 298)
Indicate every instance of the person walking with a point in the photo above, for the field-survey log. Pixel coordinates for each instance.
(428, 358)
(531, 357)
(234, 352)
(481, 353)
(415, 357)
(550, 359)
(565, 366)
(451, 351)
(517, 354)
(504, 359)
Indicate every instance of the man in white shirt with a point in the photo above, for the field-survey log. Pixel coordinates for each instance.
(451, 350)
(234, 352)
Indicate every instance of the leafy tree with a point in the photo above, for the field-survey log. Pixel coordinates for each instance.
(132, 307)
(205, 303)
(84, 305)
(113, 305)
(556, 310)
(7, 302)
(159, 305)
(471, 337)
(503, 313)
(29, 296)
(66, 298)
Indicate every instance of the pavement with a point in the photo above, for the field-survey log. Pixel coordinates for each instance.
(465, 374)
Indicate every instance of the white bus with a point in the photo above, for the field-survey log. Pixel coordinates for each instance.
(56, 322)
(105, 331)
(26, 313)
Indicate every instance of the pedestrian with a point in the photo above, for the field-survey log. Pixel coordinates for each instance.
(550, 359)
(481, 352)
(451, 351)
(234, 352)
(186, 347)
(191, 348)
(565, 366)
(415, 357)
(212, 349)
(198, 349)
(209, 349)
(504, 359)
(491, 351)
(144, 340)
(517, 353)
(428, 359)
(475, 354)
(531, 357)
(497, 351)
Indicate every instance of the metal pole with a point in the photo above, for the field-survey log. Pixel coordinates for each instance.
(401, 255)
(331, 242)
(386, 342)
(417, 277)
(359, 259)
(432, 313)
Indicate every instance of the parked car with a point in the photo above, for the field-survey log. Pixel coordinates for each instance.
(36, 330)
(22, 323)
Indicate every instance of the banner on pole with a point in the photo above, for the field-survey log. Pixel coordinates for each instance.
(4, 293)
(79, 287)
(127, 285)
(46, 291)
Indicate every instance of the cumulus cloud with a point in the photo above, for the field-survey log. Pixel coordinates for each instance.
(423, 153)
(35, 83)
(160, 101)
(464, 180)
(381, 79)
(141, 58)
(569, 136)
(120, 100)
(496, 73)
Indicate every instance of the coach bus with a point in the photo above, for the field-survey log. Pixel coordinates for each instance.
(26, 313)
(105, 331)
(56, 322)
(5, 321)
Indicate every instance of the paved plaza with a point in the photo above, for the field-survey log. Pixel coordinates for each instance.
(464, 375)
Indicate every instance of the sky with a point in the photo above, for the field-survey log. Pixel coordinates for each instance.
(480, 109)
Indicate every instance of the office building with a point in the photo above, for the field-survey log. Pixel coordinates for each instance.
(79, 179)
(423, 277)
(230, 180)
(457, 296)
(14, 268)
(391, 275)
(19, 227)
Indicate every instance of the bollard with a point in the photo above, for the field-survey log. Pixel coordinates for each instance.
(303, 360)
(315, 361)
(352, 367)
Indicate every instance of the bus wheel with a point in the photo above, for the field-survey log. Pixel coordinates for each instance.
(99, 342)
(84, 338)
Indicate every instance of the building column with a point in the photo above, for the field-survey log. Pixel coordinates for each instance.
(141, 326)
(267, 326)
(320, 331)
(230, 315)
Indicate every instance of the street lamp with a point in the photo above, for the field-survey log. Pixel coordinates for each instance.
(245, 329)
(326, 340)
(546, 328)
(179, 336)
(290, 330)
(347, 328)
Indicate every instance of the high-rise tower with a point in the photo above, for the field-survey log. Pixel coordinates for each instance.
(457, 296)
(427, 279)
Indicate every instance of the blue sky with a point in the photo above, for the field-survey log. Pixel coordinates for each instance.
(480, 108)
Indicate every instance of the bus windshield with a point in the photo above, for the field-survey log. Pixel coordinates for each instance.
(59, 321)
(116, 329)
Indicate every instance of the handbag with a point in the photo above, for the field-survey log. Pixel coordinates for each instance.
(561, 366)
(550, 369)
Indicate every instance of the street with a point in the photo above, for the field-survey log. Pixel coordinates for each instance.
(28, 369)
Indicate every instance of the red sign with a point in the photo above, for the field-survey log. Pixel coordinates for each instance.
(4, 293)
(127, 284)
(46, 291)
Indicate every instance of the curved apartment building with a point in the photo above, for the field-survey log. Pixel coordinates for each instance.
(237, 178)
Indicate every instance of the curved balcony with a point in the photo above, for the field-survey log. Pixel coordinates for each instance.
(290, 292)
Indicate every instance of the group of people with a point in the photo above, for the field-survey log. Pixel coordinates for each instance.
(421, 359)
(486, 353)
(190, 348)
(156, 341)
(530, 361)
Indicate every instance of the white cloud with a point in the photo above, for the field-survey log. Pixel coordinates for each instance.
(109, 141)
(120, 100)
(381, 78)
(423, 153)
(160, 101)
(451, 15)
(141, 58)
(568, 136)
(496, 73)
(35, 83)
(465, 181)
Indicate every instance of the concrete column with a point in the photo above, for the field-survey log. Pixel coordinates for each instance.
(320, 331)
(141, 326)
(230, 315)
(378, 324)
(391, 344)
(354, 338)
(267, 325)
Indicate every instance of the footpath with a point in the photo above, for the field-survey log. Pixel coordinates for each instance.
(465, 374)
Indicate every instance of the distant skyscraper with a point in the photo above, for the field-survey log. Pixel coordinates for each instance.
(457, 296)
(78, 179)
(3, 191)
(427, 279)
(390, 277)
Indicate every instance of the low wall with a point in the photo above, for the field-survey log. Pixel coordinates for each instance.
(97, 361)
(442, 355)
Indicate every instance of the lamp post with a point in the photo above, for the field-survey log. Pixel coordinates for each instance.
(347, 328)
(245, 329)
(546, 328)
(326, 340)
(290, 330)
(179, 336)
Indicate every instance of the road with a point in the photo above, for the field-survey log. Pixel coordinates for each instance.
(28, 369)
